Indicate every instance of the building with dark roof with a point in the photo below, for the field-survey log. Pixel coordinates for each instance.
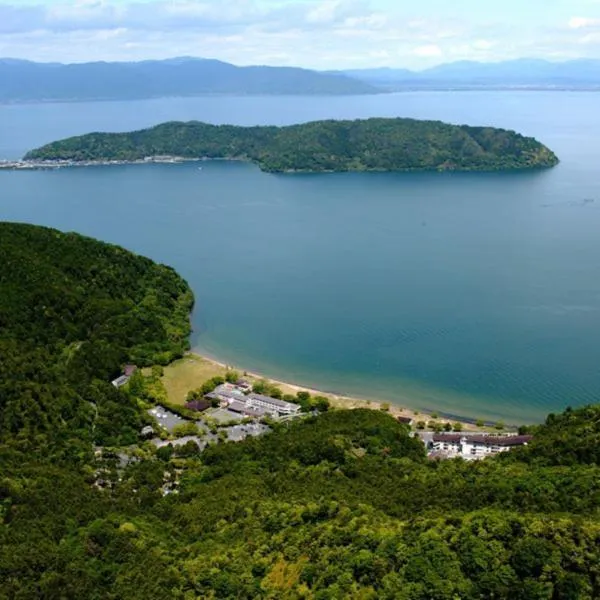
(198, 405)
(247, 411)
(244, 385)
(226, 392)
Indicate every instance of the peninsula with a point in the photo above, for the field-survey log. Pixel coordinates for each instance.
(376, 144)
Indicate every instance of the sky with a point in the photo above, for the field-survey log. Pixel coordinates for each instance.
(319, 34)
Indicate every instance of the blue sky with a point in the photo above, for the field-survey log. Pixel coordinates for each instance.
(311, 33)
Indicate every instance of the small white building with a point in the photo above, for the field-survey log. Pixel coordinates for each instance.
(120, 381)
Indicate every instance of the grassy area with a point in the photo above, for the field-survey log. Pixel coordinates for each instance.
(192, 371)
(188, 374)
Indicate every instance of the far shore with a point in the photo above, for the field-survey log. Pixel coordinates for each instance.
(26, 164)
(49, 164)
(191, 371)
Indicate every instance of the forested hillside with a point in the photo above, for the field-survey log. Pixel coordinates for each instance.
(72, 312)
(343, 505)
(361, 145)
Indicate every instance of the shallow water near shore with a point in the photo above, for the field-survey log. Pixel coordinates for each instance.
(475, 294)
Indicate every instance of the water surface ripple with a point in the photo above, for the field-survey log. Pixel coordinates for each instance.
(474, 294)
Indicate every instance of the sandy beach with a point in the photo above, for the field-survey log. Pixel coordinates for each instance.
(191, 371)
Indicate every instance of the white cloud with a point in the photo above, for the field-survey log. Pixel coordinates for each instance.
(324, 12)
(483, 44)
(311, 33)
(428, 51)
(592, 38)
(583, 23)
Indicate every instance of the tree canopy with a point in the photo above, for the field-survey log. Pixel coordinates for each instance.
(362, 145)
(73, 311)
(343, 505)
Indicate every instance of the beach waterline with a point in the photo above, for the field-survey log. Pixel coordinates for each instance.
(409, 397)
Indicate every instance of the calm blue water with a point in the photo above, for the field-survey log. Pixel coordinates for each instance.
(474, 294)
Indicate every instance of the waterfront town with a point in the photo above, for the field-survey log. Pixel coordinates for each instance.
(233, 411)
(43, 164)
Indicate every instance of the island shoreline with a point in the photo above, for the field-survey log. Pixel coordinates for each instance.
(361, 145)
(51, 164)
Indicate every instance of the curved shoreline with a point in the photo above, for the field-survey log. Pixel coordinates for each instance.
(341, 400)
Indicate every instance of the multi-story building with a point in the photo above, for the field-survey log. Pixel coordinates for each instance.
(272, 405)
(226, 392)
(254, 405)
(472, 446)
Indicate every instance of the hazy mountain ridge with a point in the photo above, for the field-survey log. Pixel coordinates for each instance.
(535, 73)
(24, 81)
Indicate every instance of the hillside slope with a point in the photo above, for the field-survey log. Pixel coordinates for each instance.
(343, 505)
(72, 311)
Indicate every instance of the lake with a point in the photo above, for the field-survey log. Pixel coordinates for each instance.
(473, 294)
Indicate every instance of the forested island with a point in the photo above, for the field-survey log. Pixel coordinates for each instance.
(343, 505)
(321, 146)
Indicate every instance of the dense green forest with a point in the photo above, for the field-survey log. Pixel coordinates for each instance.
(361, 145)
(72, 312)
(344, 505)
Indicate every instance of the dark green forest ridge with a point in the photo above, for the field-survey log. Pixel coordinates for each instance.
(361, 145)
(340, 506)
(72, 312)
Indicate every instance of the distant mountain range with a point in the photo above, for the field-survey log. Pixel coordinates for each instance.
(24, 81)
(523, 73)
